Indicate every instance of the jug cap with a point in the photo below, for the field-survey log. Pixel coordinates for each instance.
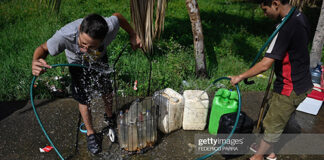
(226, 93)
(219, 92)
(175, 100)
(234, 95)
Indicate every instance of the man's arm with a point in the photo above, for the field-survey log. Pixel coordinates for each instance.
(133, 37)
(39, 62)
(258, 68)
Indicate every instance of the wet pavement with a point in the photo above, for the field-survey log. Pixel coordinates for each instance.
(21, 136)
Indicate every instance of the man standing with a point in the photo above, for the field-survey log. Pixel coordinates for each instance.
(85, 42)
(289, 53)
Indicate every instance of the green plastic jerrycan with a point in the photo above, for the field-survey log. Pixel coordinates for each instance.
(224, 102)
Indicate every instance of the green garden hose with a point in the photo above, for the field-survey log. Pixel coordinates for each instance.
(36, 114)
(236, 121)
(32, 98)
(249, 82)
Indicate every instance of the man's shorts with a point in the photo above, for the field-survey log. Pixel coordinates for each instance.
(280, 110)
(87, 82)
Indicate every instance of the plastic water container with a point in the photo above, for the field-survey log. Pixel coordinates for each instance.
(195, 109)
(316, 74)
(141, 130)
(151, 129)
(171, 107)
(133, 143)
(137, 127)
(224, 102)
(122, 130)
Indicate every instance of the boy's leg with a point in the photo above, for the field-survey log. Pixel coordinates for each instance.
(108, 101)
(87, 119)
(109, 117)
(105, 86)
(92, 141)
(79, 85)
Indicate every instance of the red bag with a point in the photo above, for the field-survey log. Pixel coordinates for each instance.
(316, 95)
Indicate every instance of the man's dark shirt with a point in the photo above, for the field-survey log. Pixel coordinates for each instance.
(289, 49)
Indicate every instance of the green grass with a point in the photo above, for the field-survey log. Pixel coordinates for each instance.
(233, 34)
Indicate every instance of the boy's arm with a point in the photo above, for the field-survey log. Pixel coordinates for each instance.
(133, 37)
(39, 62)
(258, 68)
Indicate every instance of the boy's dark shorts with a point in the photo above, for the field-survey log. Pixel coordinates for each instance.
(86, 82)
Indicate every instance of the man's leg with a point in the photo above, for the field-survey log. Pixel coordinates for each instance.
(281, 108)
(262, 150)
(274, 122)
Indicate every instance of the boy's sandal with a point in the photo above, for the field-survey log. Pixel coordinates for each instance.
(93, 145)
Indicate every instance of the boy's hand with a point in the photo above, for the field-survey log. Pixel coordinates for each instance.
(135, 41)
(38, 66)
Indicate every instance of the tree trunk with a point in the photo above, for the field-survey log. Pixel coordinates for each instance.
(198, 37)
(316, 52)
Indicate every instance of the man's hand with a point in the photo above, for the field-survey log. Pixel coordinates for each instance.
(38, 66)
(235, 79)
(258, 68)
(135, 41)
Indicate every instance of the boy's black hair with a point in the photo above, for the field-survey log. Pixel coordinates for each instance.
(269, 2)
(95, 26)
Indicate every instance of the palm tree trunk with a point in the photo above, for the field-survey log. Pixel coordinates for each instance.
(318, 41)
(198, 37)
(53, 5)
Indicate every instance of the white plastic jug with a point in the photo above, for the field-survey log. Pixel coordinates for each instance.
(171, 107)
(195, 109)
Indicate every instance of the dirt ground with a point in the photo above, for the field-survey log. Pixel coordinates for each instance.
(21, 136)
